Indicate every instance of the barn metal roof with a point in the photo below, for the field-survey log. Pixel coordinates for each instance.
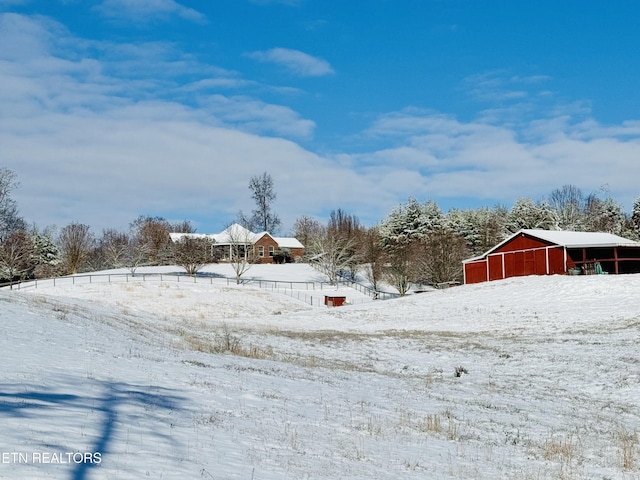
(568, 239)
(580, 239)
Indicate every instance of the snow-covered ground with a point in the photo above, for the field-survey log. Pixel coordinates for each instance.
(135, 375)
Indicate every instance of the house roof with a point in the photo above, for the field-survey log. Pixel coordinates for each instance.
(568, 239)
(288, 242)
(237, 234)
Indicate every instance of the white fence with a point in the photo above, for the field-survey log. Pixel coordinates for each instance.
(311, 293)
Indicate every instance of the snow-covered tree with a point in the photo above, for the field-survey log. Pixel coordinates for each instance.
(568, 202)
(241, 253)
(412, 221)
(10, 221)
(47, 253)
(635, 217)
(526, 213)
(605, 215)
(17, 256)
(332, 254)
(346, 229)
(481, 228)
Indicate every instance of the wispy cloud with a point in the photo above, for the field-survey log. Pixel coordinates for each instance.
(297, 62)
(92, 142)
(499, 86)
(483, 160)
(146, 10)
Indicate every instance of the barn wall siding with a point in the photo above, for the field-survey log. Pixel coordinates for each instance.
(539, 259)
(475, 272)
(528, 255)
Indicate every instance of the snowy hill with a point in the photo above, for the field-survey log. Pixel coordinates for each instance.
(535, 377)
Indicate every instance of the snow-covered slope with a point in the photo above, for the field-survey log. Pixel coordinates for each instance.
(548, 385)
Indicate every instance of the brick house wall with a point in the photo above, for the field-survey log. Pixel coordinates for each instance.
(265, 248)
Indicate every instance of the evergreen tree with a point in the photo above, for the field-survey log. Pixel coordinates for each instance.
(635, 217)
(528, 214)
(47, 253)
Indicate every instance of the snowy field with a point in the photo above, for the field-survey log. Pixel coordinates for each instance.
(527, 378)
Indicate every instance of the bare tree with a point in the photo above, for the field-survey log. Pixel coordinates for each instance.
(373, 257)
(192, 253)
(262, 218)
(76, 242)
(402, 268)
(112, 248)
(333, 255)
(17, 256)
(136, 255)
(348, 231)
(307, 229)
(442, 260)
(10, 221)
(184, 226)
(568, 202)
(153, 234)
(241, 253)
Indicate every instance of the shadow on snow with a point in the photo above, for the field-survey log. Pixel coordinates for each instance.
(33, 402)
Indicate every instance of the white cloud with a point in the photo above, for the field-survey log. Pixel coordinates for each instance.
(498, 86)
(258, 117)
(92, 141)
(480, 160)
(295, 61)
(145, 10)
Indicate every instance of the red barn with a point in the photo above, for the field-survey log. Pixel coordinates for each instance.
(549, 252)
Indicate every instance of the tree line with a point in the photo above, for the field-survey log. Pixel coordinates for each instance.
(29, 252)
(415, 244)
(418, 244)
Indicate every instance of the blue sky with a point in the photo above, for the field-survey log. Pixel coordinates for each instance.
(114, 108)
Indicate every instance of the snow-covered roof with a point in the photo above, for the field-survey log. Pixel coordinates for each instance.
(235, 234)
(176, 237)
(580, 239)
(568, 239)
(288, 242)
